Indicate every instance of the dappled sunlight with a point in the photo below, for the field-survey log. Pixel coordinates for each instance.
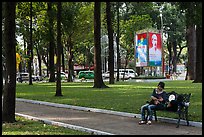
(186, 87)
(132, 86)
(65, 83)
(69, 86)
(67, 118)
(45, 84)
(120, 85)
(22, 94)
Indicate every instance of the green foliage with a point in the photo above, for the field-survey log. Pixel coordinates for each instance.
(69, 14)
(128, 29)
(77, 23)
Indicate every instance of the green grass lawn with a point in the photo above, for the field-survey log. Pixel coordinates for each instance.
(29, 127)
(121, 96)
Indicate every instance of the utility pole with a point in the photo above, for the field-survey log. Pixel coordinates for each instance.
(160, 10)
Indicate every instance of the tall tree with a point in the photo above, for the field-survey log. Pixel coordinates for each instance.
(110, 42)
(198, 74)
(59, 50)
(51, 44)
(70, 58)
(117, 40)
(70, 27)
(189, 8)
(98, 81)
(30, 47)
(191, 44)
(9, 96)
(3, 68)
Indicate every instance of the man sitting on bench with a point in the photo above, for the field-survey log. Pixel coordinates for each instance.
(158, 101)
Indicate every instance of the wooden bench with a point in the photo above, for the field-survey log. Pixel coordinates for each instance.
(181, 108)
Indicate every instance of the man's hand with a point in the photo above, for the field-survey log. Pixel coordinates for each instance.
(160, 99)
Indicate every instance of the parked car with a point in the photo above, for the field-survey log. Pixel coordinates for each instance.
(107, 74)
(37, 78)
(23, 76)
(123, 73)
(86, 74)
(129, 72)
(63, 76)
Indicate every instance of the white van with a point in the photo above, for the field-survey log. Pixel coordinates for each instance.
(129, 73)
(123, 73)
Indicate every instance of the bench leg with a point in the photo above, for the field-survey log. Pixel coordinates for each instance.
(178, 122)
(186, 116)
(155, 115)
(187, 122)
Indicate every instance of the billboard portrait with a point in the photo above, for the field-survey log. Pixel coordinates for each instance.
(141, 50)
(155, 49)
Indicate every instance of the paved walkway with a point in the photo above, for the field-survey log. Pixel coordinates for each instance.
(100, 122)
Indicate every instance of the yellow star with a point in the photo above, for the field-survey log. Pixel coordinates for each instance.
(142, 39)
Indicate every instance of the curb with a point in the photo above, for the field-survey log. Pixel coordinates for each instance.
(126, 114)
(80, 128)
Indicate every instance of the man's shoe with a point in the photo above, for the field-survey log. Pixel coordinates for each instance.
(142, 122)
(149, 122)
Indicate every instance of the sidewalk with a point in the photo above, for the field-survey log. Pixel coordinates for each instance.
(100, 122)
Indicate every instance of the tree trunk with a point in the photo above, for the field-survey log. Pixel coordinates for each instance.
(191, 39)
(170, 56)
(25, 53)
(30, 48)
(110, 42)
(98, 81)
(117, 40)
(59, 52)
(198, 74)
(70, 63)
(9, 96)
(174, 61)
(51, 45)
(63, 66)
(191, 43)
(39, 61)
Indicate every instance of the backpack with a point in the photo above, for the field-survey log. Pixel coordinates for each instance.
(173, 100)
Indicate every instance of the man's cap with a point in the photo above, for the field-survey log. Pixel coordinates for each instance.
(161, 84)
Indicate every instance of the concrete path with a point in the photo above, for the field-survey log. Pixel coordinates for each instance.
(100, 122)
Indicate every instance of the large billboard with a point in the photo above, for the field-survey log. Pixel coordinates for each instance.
(155, 49)
(141, 50)
(148, 49)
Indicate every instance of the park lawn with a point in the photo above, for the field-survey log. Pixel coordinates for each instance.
(121, 96)
(24, 126)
